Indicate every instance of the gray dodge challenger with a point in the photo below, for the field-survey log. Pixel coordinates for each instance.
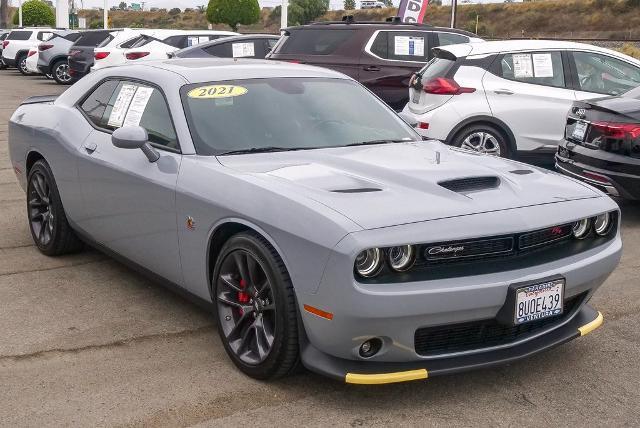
(312, 220)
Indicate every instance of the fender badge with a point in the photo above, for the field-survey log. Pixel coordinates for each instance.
(191, 224)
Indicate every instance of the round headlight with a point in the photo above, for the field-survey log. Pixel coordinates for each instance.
(581, 228)
(368, 262)
(601, 224)
(401, 258)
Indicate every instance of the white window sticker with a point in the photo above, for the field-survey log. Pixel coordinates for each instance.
(121, 105)
(542, 65)
(522, 66)
(411, 46)
(241, 50)
(196, 40)
(138, 104)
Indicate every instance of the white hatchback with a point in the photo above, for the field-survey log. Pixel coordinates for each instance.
(512, 97)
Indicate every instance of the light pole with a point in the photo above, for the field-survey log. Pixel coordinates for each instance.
(454, 3)
(20, 14)
(105, 15)
(283, 14)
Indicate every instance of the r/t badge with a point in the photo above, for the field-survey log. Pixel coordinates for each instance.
(191, 224)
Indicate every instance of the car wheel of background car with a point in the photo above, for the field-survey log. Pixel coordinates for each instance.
(483, 139)
(61, 73)
(48, 223)
(21, 61)
(256, 306)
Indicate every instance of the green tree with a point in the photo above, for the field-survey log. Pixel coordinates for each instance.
(389, 3)
(122, 6)
(304, 11)
(175, 11)
(35, 13)
(233, 12)
(349, 4)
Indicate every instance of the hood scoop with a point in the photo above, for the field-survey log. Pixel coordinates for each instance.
(360, 190)
(470, 184)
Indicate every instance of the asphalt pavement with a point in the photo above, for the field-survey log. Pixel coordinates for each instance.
(85, 341)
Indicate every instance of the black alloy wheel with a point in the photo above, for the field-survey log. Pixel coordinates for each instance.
(255, 302)
(47, 220)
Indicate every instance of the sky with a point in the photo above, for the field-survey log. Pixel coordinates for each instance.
(334, 4)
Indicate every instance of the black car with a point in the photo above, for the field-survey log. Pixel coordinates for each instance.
(381, 55)
(245, 46)
(81, 53)
(602, 144)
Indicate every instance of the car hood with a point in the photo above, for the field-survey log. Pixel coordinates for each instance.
(392, 184)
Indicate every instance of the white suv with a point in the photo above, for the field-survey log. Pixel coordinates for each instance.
(512, 97)
(15, 47)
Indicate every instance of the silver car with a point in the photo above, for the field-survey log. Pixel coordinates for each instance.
(52, 56)
(313, 220)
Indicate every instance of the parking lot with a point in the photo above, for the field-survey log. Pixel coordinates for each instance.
(86, 341)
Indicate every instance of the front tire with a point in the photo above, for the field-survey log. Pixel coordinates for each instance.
(21, 64)
(256, 306)
(483, 138)
(60, 72)
(48, 223)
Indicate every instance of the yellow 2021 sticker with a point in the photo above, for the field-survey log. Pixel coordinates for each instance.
(217, 91)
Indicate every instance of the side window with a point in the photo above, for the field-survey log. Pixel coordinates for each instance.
(408, 46)
(222, 50)
(270, 44)
(604, 75)
(197, 39)
(313, 41)
(175, 41)
(245, 49)
(115, 104)
(379, 45)
(538, 68)
(445, 39)
(96, 103)
(44, 35)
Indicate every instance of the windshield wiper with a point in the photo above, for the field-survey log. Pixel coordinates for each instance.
(372, 142)
(257, 150)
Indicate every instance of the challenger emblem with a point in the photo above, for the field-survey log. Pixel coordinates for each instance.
(445, 250)
(191, 224)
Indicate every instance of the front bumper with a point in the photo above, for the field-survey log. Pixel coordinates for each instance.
(358, 372)
(9, 62)
(612, 173)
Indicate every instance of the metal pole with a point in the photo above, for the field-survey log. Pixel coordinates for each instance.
(20, 14)
(283, 14)
(105, 15)
(454, 3)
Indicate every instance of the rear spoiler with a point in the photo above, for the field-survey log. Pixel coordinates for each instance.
(40, 99)
(443, 54)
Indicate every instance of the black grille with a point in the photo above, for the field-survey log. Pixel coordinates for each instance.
(470, 184)
(545, 236)
(446, 339)
(479, 248)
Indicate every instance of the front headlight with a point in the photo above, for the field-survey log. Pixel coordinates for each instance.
(401, 258)
(369, 262)
(581, 228)
(602, 223)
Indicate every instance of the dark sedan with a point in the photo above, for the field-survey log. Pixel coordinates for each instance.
(245, 46)
(602, 144)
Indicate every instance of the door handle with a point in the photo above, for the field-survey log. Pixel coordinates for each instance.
(371, 68)
(90, 148)
(503, 92)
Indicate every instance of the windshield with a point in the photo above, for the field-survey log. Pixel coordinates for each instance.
(287, 113)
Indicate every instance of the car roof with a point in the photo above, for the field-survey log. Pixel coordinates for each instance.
(497, 46)
(379, 25)
(197, 70)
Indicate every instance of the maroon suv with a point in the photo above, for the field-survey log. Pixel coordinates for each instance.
(381, 55)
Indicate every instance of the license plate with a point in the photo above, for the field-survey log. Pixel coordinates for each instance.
(535, 302)
(579, 131)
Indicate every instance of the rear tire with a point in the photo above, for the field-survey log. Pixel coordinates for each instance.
(256, 307)
(483, 138)
(60, 72)
(48, 223)
(21, 64)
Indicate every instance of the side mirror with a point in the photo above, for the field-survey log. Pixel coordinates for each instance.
(134, 137)
(410, 120)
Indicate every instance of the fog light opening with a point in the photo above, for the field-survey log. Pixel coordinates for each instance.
(370, 347)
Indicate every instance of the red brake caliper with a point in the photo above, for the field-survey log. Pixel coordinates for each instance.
(243, 297)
